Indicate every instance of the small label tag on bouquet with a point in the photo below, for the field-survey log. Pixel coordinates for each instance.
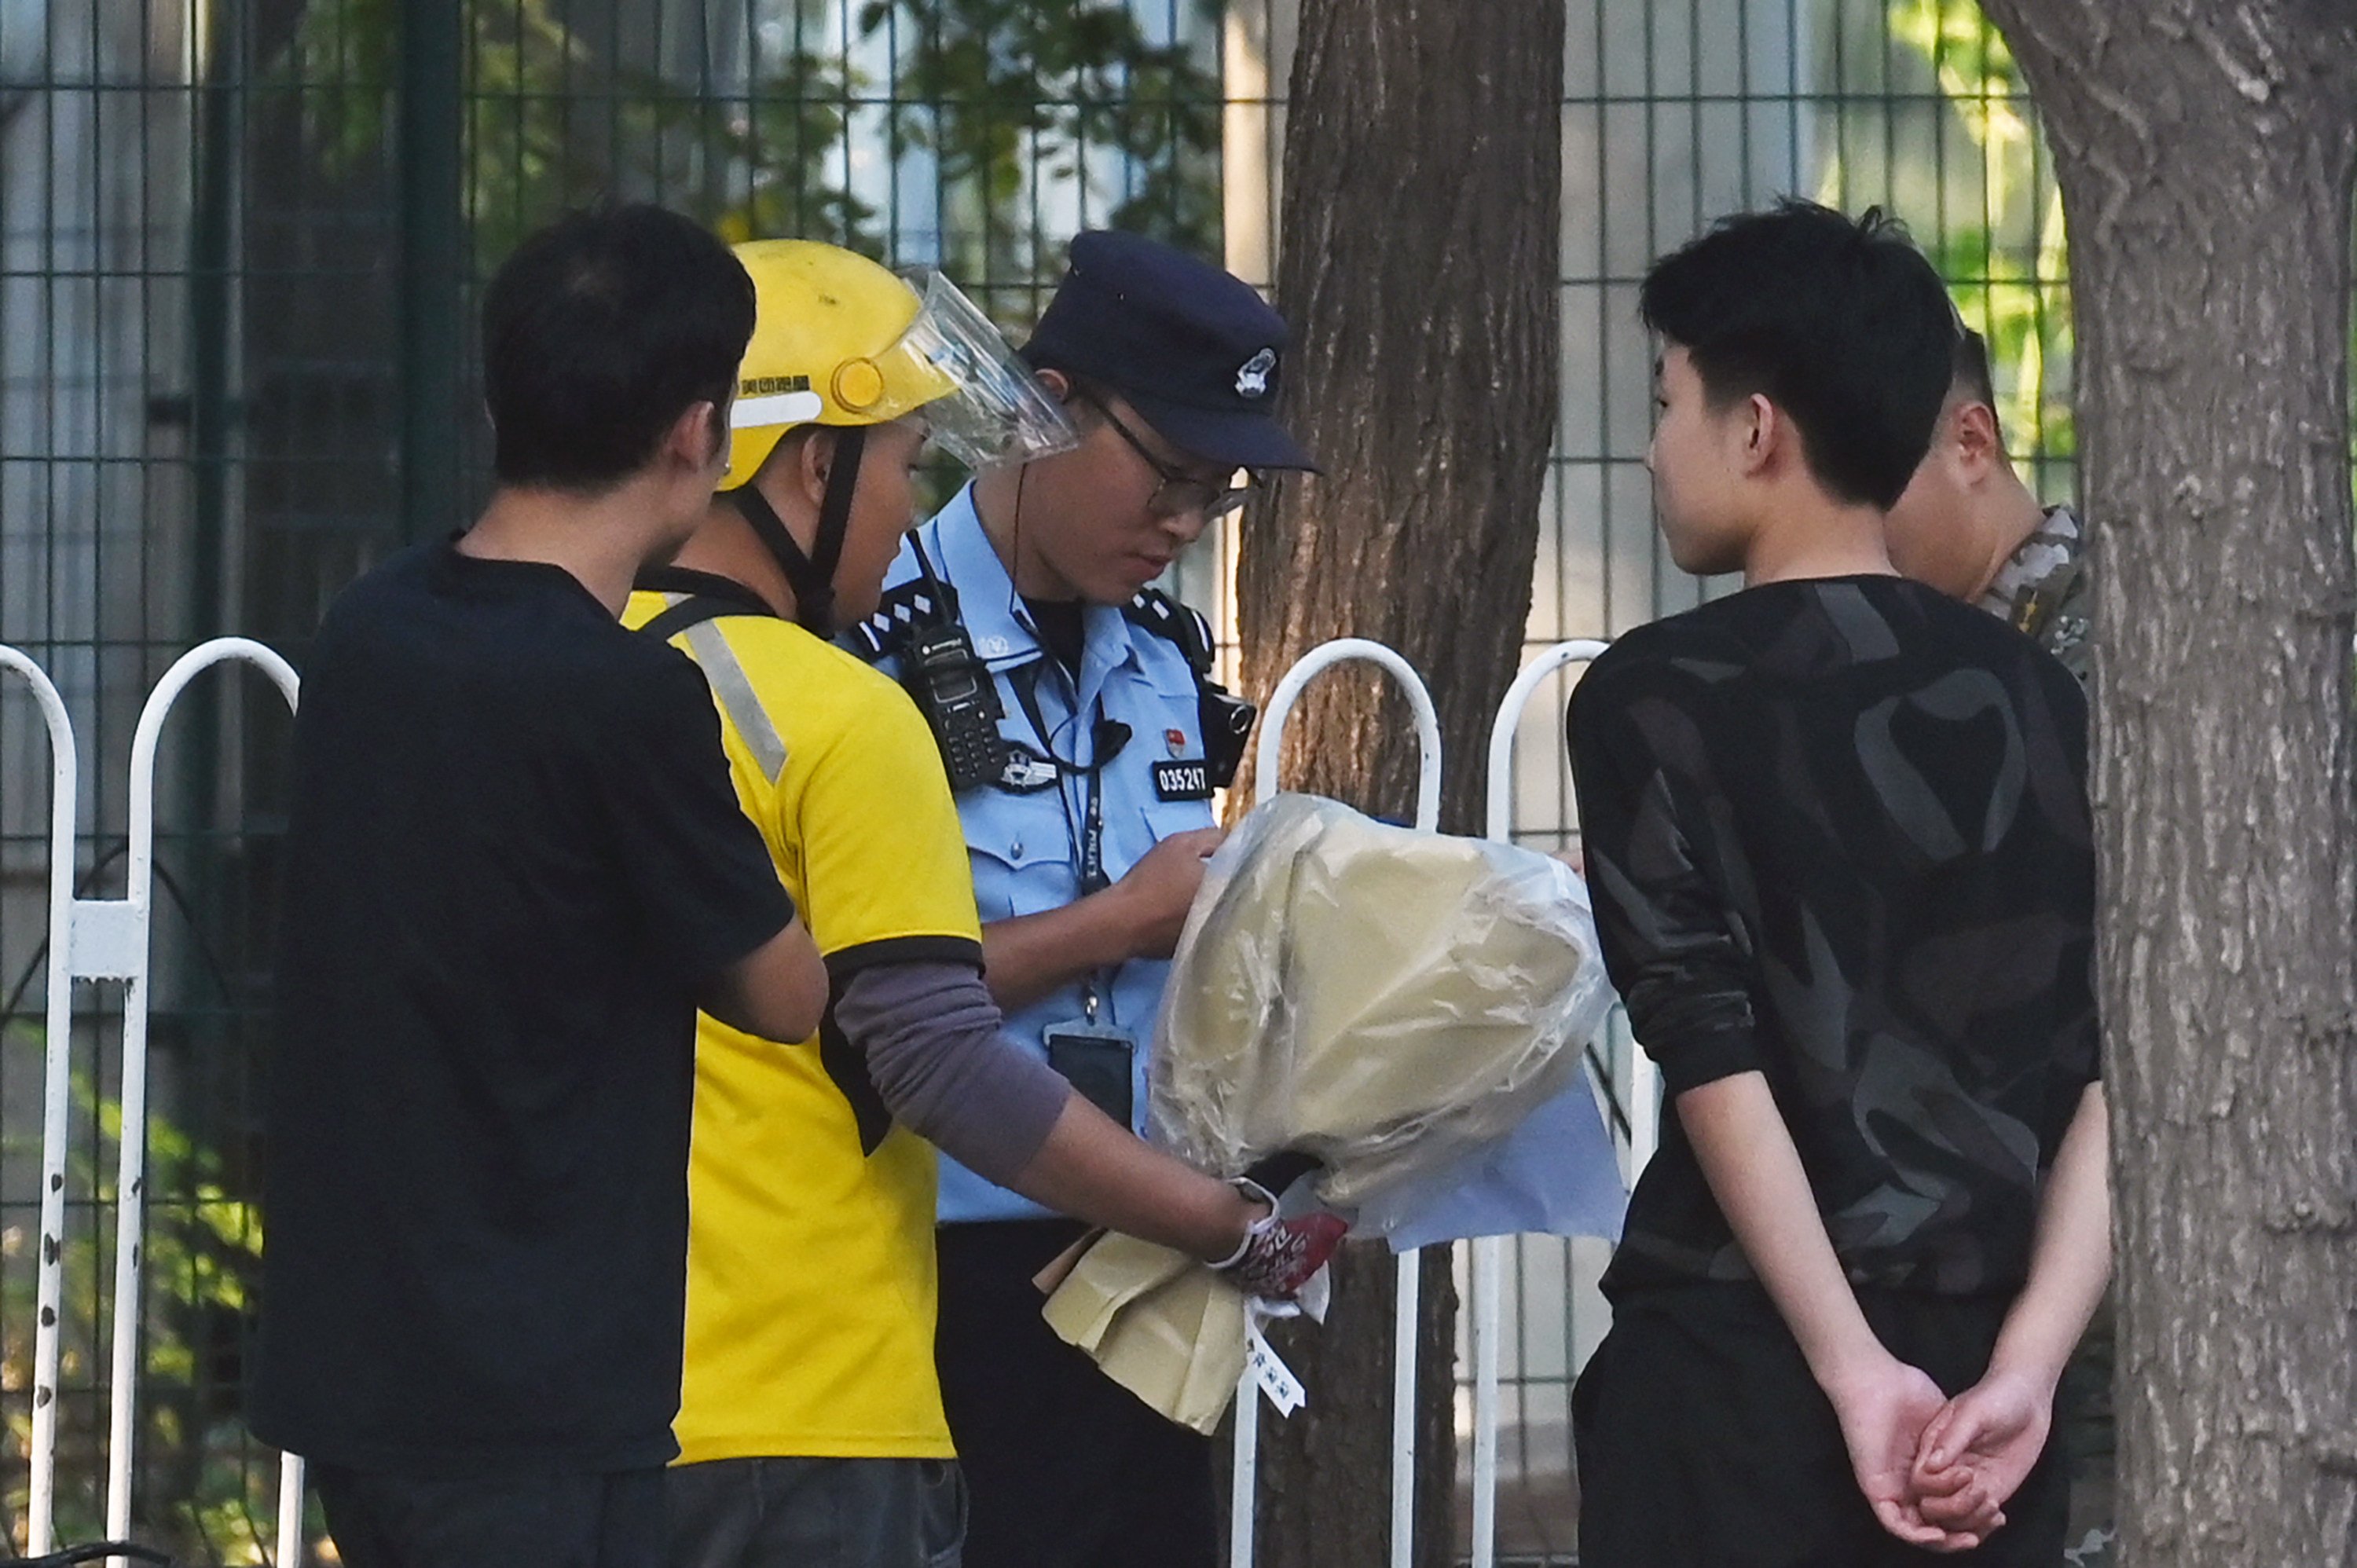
(1268, 1370)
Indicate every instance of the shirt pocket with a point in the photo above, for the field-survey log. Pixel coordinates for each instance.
(1021, 849)
(1176, 699)
(1166, 729)
(1165, 819)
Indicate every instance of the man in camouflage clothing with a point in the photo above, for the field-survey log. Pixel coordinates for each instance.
(1968, 526)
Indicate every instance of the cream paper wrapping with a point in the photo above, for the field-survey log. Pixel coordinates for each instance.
(1385, 1000)
(1161, 1325)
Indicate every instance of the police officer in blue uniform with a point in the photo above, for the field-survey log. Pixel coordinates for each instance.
(1084, 737)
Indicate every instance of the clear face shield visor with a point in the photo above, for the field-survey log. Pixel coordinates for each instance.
(984, 406)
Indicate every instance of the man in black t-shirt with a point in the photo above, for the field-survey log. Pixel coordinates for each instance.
(1837, 834)
(515, 867)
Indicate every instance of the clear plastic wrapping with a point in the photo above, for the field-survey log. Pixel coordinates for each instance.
(1385, 1000)
(998, 411)
(1409, 1009)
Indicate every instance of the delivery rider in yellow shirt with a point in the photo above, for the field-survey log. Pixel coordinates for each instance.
(810, 1424)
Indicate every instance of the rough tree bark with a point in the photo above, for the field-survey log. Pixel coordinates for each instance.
(1419, 240)
(2206, 151)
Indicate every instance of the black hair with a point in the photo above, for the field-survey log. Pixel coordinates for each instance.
(1845, 325)
(599, 332)
(1971, 380)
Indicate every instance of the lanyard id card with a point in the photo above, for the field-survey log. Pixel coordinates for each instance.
(1096, 1059)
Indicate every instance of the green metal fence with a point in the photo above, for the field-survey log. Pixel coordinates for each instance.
(240, 242)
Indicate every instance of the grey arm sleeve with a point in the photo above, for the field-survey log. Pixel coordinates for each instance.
(931, 1035)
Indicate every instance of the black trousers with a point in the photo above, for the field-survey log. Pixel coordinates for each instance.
(815, 1513)
(1065, 1468)
(379, 1520)
(1702, 1438)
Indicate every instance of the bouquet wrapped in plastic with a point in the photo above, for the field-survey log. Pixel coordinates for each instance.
(1380, 999)
(1394, 1006)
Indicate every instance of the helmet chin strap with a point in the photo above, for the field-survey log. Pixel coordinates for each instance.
(811, 574)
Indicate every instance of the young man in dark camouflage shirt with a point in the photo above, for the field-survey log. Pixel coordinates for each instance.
(1838, 836)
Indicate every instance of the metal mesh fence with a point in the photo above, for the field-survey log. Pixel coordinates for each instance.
(240, 241)
(1673, 113)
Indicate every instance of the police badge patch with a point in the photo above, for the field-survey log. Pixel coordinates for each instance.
(1252, 376)
(1025, 772)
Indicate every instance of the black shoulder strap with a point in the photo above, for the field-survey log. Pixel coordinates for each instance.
(709, 596)
(1179, 625)
(689, 612)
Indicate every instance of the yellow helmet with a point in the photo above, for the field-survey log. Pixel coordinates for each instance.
(825, 323)
(840, 340)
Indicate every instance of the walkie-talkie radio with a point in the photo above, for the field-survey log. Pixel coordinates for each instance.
(952, 688)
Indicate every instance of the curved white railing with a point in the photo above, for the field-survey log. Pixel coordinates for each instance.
(108, 940)
(1403, 1324)
(1487, 1276)
(56, 1083)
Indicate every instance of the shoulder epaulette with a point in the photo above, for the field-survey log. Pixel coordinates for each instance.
(1180, 624)
(885, 634)
(1226, 719)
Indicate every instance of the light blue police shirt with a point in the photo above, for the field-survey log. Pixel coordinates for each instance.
(1024, 847)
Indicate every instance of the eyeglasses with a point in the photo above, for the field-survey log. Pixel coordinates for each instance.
(1180, 491)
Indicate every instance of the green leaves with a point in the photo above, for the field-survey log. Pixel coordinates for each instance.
(201, 1250)
(992, 108)
(2000, 241)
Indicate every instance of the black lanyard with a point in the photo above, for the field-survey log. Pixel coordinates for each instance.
(1106, 740)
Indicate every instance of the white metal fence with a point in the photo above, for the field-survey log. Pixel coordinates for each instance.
(109, 941)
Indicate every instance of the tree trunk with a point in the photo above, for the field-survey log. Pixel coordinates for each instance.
(2206, 152)
(1419, 264)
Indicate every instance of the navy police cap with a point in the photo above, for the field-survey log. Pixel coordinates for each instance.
(1194, 349)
